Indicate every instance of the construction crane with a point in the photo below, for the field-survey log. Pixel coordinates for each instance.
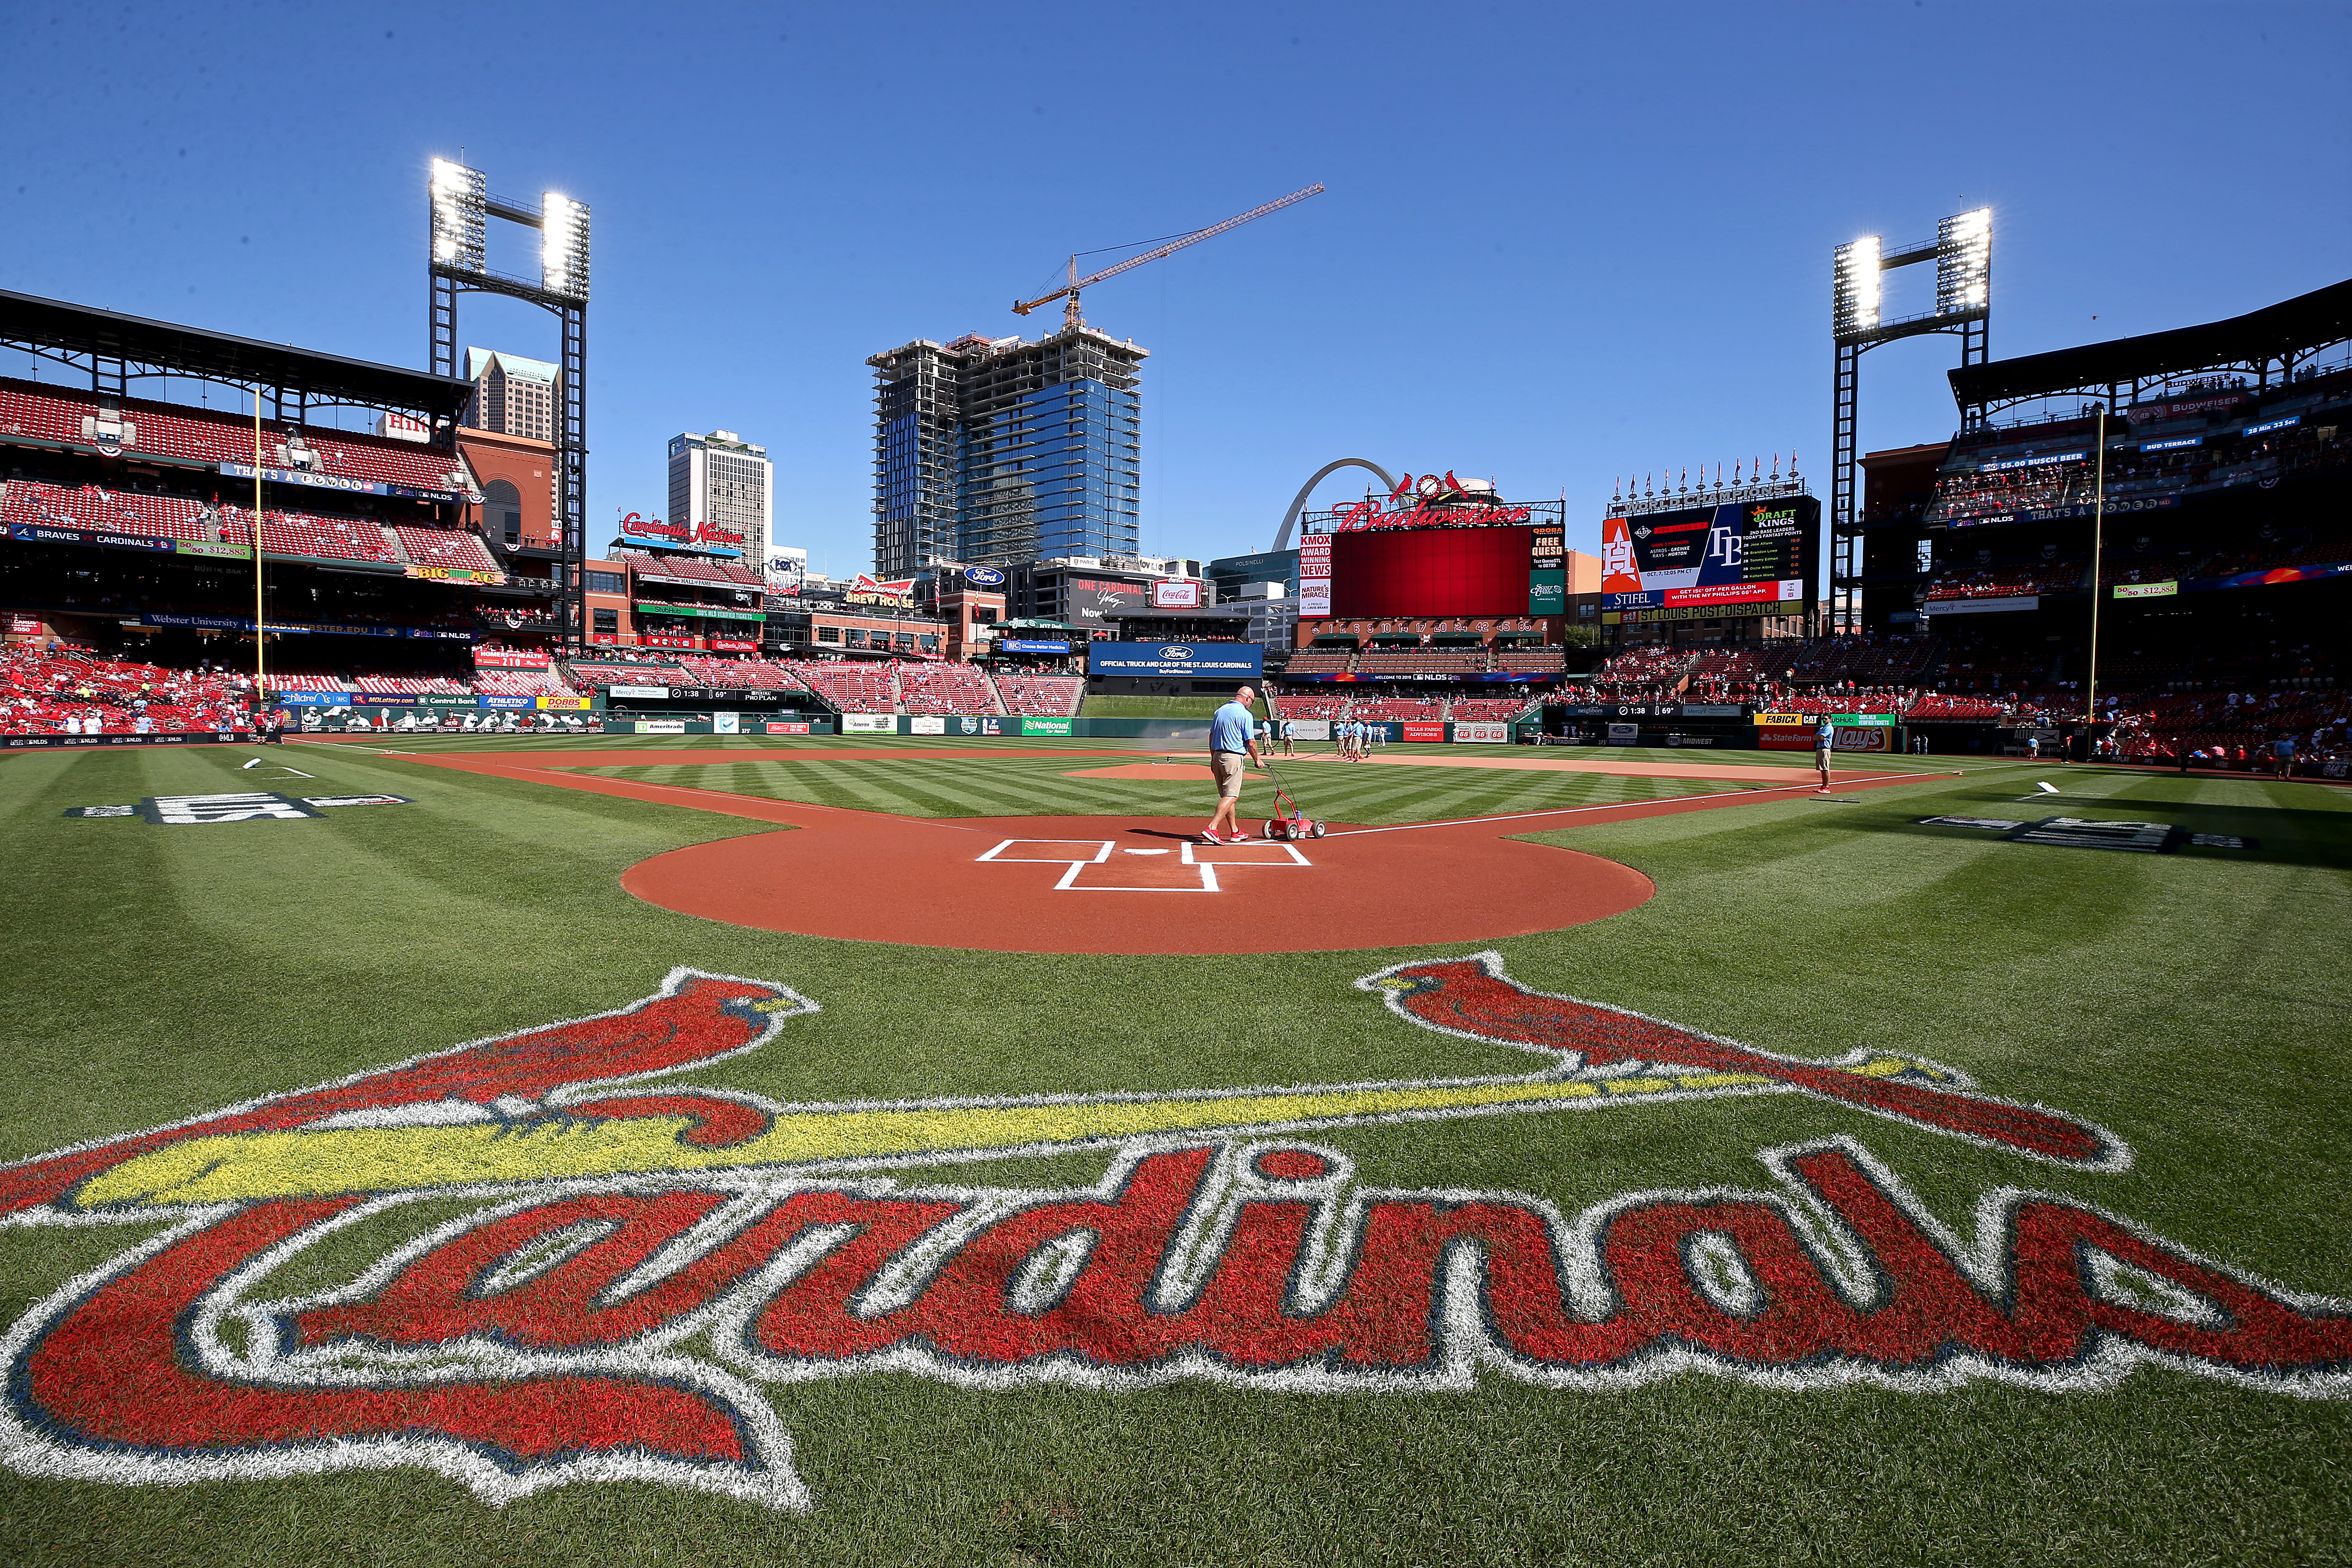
(1070, 317)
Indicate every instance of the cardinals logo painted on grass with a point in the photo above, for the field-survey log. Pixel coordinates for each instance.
(640, 1258)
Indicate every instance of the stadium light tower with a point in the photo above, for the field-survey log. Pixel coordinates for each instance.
(457, 261)
(1962, 252)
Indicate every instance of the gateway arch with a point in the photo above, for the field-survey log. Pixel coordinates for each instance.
(1299, 501)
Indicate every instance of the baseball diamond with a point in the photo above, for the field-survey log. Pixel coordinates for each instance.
(1214, 924)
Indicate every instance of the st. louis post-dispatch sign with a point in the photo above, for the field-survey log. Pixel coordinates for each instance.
(1202, 660)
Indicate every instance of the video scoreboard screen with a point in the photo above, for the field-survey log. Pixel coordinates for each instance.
(1427, 571)
(1703, 562)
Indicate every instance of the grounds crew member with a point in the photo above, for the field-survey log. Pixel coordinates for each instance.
(1824, 749)
(1232, 736)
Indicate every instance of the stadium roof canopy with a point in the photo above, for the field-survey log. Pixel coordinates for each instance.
(2271, 337)
(54, 328)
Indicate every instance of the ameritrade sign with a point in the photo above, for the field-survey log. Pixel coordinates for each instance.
(1207, 661)
(628, 1269)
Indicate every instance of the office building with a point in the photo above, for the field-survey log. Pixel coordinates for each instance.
(512, 396)
(721, 490)
(1229, 575)
(995, 452)
(1083, 590)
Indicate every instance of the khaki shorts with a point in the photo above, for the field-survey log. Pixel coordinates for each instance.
(1227, 767)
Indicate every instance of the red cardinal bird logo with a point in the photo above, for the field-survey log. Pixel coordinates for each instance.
(694, 1020)
(1474, 998)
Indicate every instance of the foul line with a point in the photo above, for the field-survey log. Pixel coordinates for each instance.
(555, 775)
(1724, 795)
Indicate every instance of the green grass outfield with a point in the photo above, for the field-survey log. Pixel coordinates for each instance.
(2194, 1003)
(1098, 707)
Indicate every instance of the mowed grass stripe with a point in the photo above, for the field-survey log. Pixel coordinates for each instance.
(1029, 786)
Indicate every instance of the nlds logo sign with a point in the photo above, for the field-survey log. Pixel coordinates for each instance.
(604, 1269)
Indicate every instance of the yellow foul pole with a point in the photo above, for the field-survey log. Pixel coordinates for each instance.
(259, 639)
(2098, 550)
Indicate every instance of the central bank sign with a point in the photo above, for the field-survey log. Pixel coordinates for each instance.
(1199, 660)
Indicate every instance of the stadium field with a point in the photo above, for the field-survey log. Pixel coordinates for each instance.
(1709, 1172)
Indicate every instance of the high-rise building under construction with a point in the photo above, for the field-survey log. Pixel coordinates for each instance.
(996, 452)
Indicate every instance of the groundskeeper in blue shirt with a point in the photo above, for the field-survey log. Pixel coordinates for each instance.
(1231, 727)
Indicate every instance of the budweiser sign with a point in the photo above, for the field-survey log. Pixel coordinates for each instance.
(1428, 502)
(864, 590)
(604, 1269)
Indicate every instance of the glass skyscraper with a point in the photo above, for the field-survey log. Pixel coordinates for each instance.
(997, 452)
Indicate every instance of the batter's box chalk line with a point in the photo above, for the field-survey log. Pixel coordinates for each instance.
(1075, 855)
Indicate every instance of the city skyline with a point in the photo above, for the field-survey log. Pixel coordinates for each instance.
(1618, 262)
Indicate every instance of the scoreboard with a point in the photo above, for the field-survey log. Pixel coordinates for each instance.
(1428, 572)
(1741, 558)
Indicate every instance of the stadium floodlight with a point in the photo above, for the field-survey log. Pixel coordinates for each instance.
(1854, 287)
(459, 197)
(563, 245)
(1963, 262)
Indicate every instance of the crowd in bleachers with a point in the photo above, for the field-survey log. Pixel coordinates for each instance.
(411, 685)
(2006, 582)
(90, 507)
(851, 687)
(944, 689)
(56, 690)
(1042, 696)
(740, 673)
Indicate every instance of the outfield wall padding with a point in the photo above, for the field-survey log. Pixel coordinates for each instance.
(199, 738)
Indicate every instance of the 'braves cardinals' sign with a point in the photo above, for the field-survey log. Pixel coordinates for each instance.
(537, 1338)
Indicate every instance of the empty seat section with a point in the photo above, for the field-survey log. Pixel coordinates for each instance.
(445, 547)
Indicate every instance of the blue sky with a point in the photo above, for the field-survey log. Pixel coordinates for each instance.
(1560, 243)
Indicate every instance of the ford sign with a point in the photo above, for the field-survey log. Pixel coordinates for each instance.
(1214, 661)
(983, 576)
